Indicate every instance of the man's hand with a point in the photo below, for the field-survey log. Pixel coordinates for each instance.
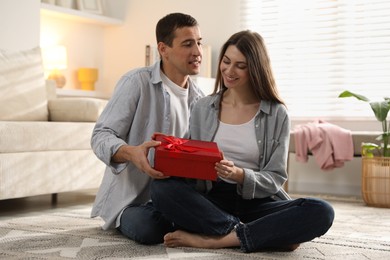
(138, 156)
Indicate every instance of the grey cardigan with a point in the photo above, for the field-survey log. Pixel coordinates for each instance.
(272, 126)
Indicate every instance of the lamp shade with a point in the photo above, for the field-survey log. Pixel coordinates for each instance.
(55, 57)
(54, 60)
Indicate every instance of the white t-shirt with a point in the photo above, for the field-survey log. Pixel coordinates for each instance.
(180, 113)
(238, 144)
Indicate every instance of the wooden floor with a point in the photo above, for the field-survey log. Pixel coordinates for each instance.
(43, 203)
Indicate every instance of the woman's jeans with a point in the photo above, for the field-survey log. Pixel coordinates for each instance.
(259, 223)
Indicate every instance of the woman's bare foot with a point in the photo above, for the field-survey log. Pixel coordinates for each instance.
(183, 238)
(292, 247)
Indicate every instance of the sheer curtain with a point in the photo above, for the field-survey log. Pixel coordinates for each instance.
(319, 48)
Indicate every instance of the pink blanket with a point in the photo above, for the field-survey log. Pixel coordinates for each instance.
(330, 144)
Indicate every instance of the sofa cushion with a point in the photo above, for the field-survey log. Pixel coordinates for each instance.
(76, 109)
(22, 86)
(22, 137)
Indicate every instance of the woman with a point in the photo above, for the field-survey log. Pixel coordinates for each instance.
(247, 206)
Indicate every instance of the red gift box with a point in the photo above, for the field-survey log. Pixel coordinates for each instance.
(186, 158)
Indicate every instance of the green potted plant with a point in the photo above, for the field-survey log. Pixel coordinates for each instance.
(381, 110)
(376, 158)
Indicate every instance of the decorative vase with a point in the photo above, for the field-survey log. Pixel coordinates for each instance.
(87, 78)
(376, 181)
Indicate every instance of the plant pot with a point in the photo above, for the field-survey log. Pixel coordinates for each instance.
(376, 181)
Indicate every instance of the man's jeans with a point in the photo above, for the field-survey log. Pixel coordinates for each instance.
(144, 224)
(259, 223)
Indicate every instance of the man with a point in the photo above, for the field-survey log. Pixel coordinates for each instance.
(146, 100)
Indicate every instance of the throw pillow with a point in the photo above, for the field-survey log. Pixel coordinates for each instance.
(76, 109)
(22, 86)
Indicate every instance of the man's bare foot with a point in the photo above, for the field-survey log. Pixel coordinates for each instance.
(183, 238)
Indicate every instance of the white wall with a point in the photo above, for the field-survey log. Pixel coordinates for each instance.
(19, 25)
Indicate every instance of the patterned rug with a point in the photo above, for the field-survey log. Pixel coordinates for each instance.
(359, 232)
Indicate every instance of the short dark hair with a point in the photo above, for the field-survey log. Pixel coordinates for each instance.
(166, 26)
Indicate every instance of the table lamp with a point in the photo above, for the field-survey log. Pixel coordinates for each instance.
(55, 60)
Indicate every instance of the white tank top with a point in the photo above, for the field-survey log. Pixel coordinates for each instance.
(238, 144)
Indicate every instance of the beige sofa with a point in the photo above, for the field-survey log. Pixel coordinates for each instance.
(44, 140)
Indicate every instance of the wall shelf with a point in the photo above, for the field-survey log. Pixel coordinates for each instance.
(77, 15)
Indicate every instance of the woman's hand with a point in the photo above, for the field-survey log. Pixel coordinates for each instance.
(227, 170)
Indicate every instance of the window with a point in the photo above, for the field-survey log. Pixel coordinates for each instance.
(318, 48)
